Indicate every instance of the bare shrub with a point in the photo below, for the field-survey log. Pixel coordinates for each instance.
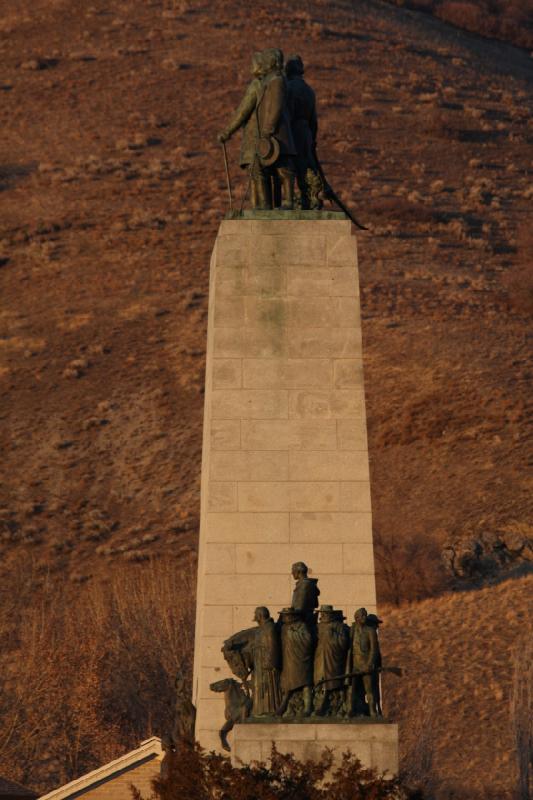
(195, 775)
(407, 570)
(88, 673)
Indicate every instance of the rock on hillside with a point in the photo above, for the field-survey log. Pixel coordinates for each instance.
(454, 702)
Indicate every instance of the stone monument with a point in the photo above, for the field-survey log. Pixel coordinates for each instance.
(285, 476)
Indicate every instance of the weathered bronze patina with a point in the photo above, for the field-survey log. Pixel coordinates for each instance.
(362, 657)
(330, 659)
(301, 666)
(266, 690)
(267, 149)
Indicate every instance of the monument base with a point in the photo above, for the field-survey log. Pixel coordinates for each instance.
(374, 743)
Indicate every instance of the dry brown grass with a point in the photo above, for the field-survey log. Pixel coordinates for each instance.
(462, 653)
(88, 674)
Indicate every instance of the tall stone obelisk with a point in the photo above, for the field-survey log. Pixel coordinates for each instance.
(285, 473)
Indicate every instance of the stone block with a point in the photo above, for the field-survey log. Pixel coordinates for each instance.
(345, 590)
(358, 559)
(268, 373)
(313, 495)
(242, 465)
(225, 434)
(342, 252)
(266, 341)
(344, 282)
(228, 343)
(232, 251)
(264, 496)
(219, 558)
(321, 312)
(260, 589)
(301, 227)
(309, 281)
(326, 465)
(266, 282)
(227, 373)
(311, 342)
(376, 746)
(230, 281)
(240, 227)
(270, 312)
(255, 558)
(229, 312)
(354, 496)
(210, 649)
(269, 251)
(209, 675)
(330, 526)
(247, 527)
(210, 713)
(217, 621)
(222, 496)
(289, 434)
(351, 434)
(249, 404)
(334, 404)
(348, 373)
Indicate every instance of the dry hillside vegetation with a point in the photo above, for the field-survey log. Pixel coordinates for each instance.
(111, 192)
(465, 656)
(510, 20)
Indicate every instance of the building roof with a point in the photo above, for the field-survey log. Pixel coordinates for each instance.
(9, 790)
(149, 749)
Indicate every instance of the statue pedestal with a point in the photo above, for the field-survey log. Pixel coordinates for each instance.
(285, 473)
(374, 743)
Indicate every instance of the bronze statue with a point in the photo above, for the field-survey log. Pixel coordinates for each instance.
(305, 594)
(374, 621)
(302, 107)
(330, 659)
(266, 691)
(297, 649)
(237, 706)
(267, 147)
(362, 658)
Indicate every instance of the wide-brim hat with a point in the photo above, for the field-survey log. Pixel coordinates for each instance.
(329, 611)
(286, 613)
(267, 150)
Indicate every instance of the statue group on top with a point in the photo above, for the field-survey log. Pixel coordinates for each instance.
(308, 663)
(279, 122)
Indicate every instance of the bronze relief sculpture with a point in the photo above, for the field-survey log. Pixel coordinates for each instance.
(307, 666)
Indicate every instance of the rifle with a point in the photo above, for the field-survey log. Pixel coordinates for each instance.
(331, 195)
(398, 671)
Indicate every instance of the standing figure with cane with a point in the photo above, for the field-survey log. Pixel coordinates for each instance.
(267, 148)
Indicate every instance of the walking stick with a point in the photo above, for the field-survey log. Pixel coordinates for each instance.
(227, 176)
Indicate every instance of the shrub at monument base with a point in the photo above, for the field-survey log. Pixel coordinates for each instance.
(195, 774)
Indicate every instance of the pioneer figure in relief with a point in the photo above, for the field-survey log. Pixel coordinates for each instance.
(363, 658)
(330, 659)
(266, 691)
(306, 593)
(297, 651)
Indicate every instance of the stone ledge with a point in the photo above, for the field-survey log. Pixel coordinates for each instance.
(374, 743)
(277, 214)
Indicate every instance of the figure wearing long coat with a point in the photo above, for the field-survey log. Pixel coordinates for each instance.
(297, 656)
(266, 690)
(263, 111)
(331, 652)
(305, 597)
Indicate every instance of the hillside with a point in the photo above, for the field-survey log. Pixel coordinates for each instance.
(454, 704)
(112, 191)
(509, 20)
